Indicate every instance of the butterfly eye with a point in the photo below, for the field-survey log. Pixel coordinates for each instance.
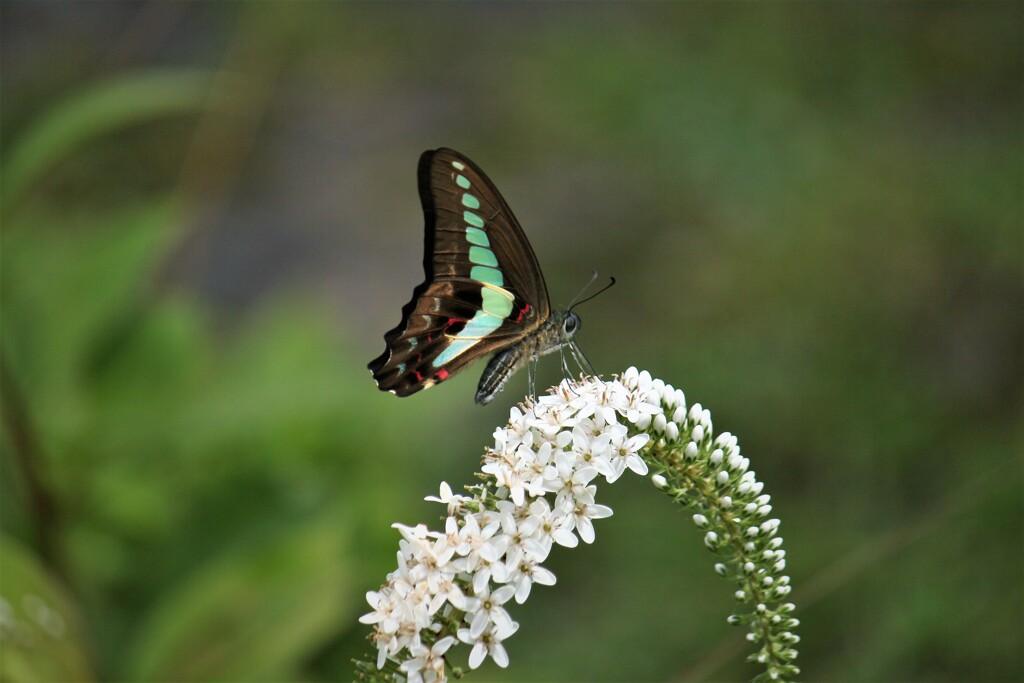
(571, 324)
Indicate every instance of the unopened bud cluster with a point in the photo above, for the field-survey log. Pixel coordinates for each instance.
(710, 476)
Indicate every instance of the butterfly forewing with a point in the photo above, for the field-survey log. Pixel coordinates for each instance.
(484, 290)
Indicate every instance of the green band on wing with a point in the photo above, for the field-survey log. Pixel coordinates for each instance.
(470, 201)
(477, 236)
(491, 276)
(482, 256)
(496, 303)
(462, 181)
(479, 327)
(473, 219)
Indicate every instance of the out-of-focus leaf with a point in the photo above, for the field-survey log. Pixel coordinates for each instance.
(39, 626)
(255, 613)
(66, 292)
(99, 109)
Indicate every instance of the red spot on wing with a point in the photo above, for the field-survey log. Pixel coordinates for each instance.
(454, 325)
(522, 311)
(419, 377)
(442, 375)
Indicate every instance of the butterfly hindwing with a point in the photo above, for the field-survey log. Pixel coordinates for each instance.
(483, 291)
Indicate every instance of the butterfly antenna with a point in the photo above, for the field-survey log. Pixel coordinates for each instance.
(593, 276)
(576, 303)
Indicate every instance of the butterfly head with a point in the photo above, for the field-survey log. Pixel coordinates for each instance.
(570, 326)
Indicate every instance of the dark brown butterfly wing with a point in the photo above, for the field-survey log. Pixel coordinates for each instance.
(483, 291)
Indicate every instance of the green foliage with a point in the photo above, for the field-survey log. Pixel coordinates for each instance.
(254, 613)
(99, 109)
(211, 462)
(40, 627)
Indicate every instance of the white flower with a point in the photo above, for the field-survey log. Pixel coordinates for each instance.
(427, 664)
(641, 405)
(625, 453)
(511, 474)
(553, 525)
(583, 513)
(550, 419)
(489, 610)
(473, 537)
(567, 397)
(518, 527)
(593, 450)
(568, 482)
(452, 500)
(447, 589)
(523, 576)
(488, 642)
(603, 404)
(536, 467)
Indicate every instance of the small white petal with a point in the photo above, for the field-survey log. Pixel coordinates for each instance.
(499, 655)
(586, 530)
(476, 657)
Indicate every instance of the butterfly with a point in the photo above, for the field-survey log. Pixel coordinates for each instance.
(484, 291)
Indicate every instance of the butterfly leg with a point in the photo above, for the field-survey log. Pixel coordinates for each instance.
(566, 373)
(531, 373)
(581, 359)
(565, 366)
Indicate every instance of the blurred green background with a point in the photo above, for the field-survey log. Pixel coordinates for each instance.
(210, 218)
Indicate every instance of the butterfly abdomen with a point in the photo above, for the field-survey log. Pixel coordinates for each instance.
(506, 363)
(498, 371)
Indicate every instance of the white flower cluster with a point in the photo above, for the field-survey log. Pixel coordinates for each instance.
(454, 585)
